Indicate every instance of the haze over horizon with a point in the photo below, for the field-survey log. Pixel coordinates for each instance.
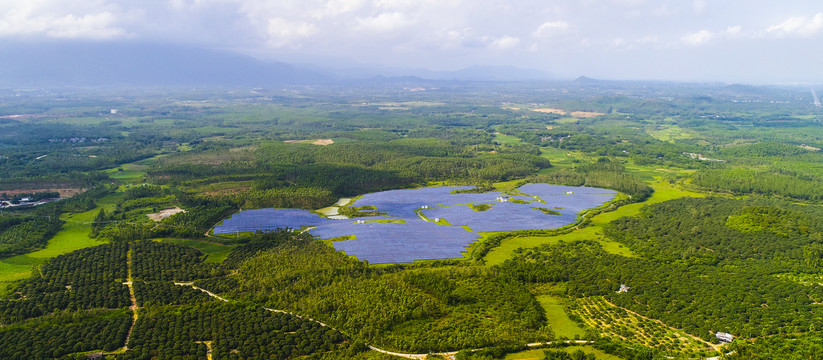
(754, 42)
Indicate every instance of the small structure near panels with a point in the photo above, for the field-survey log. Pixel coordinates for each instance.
(724, 337)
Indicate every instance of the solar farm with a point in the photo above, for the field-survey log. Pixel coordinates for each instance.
(422, 232)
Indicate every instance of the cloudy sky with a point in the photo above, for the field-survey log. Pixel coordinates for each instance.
(754, 41)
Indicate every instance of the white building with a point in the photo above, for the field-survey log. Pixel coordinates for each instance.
(724, 337)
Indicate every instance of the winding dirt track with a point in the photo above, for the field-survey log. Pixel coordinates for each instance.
(449, 355)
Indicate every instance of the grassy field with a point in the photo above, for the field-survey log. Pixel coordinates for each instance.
(669, 133)
(537, 354)
(10, 271)
(507, 247)
(387, 221)
(215, 253)
(566, 120)
(132, 173)
(557, 317)
(560, 158)
(506, 185)
(73, 236)
(503, 139)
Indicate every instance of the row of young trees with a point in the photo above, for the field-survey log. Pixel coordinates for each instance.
(57, 337)
(740, 181)
(85, 279)
(21, 234)
(154, 261)
(158, 293)
(235, 332)
(43, 317)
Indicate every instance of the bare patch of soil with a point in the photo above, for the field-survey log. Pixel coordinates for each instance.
(165, 213)
(244, 148)
(550, 111)
(810, 148)
(64, 192)
(322, 142)
(586, 114)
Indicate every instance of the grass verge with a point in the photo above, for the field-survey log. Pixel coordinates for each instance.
(557, 318)
(215, 253)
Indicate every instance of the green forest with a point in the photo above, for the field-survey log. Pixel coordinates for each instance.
(107, 241)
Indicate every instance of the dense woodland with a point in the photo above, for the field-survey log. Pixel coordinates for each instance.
(716, 228)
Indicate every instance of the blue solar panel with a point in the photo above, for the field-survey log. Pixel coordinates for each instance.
(267, 220)
(506, 216)
(416, 239)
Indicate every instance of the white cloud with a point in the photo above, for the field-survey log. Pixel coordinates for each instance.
(283, 32)
(550, 28)
(187, 4)
(443, 33)
(91, 26)
(618, 42)
(408, 4)
(45, 19)
(453, 38)
(699, 6)
(699, 38)
(733, 30)
(338, 7)
(385, 22)
(648, 39)
(502, 43)
(629, 2)
(799, 26)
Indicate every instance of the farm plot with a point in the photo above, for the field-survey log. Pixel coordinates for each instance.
(406, 233)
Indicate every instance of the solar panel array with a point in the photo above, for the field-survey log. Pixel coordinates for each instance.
(416, 239)
(267, 220)
(506, 216)
(393, 243)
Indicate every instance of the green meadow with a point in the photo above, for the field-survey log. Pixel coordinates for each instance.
(537, 354)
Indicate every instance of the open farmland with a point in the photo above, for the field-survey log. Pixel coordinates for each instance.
(423, 232)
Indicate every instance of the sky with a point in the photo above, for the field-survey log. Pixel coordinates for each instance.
(753, 41)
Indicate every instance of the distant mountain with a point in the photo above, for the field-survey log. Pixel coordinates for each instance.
(133, 64)
(490, 73)
(587, 80)
(473, 73)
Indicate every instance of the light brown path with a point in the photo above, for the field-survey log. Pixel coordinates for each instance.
(134, 308)
(209, 356)
(191, 284)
